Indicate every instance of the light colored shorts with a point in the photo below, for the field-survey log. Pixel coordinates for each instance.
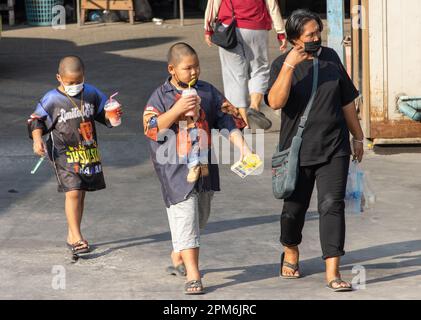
(187, 218)
(245, 69)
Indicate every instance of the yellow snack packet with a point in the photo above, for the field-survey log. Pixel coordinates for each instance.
(248, 165)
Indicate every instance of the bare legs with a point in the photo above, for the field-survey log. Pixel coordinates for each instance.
(74, 206)
(190, 258)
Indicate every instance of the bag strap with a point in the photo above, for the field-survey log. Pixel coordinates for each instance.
(232, 9)
(310, 103)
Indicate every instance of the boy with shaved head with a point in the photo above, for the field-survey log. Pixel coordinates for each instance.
(187, 196)
(68, 114)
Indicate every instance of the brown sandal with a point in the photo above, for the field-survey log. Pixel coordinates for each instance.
(340, 288)
(293, 267)
(80, 246)
(194, 284)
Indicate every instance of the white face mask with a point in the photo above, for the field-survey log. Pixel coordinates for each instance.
(73, 90)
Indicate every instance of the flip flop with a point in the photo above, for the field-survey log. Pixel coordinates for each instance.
(193, 285)
(294, 267)
(179, 270)
(338, 289)
(74, 247)
(259, 119)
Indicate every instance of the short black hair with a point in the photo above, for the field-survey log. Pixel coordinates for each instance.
(71, 64)
(179, 50)
(299, 18)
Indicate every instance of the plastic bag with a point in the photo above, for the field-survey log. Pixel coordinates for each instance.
(354, 189)
(369, 197)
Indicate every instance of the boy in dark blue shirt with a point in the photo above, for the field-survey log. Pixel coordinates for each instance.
(68, 114)
(167, 127)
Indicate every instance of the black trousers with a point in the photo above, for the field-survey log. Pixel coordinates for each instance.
(330, 178)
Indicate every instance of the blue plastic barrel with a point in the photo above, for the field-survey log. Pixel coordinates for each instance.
(40, 12)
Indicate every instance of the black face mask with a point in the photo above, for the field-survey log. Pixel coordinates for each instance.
(312, 46)
(182, 84)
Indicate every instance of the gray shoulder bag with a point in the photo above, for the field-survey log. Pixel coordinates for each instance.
(285, 164)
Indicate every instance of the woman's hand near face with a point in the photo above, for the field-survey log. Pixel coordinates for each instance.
(296, 56)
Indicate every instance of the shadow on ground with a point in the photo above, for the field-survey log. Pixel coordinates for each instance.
(28, 67)
(396, 251)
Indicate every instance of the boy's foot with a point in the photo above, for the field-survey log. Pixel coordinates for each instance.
(194, 174)
(177, 267)
(179, 270)
(78, 247)
(194, 287)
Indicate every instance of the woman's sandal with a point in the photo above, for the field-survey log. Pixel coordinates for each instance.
(179, 270)
(258, 118)
(194, 284)
(79, 247)
(294, 267)
(338, 281)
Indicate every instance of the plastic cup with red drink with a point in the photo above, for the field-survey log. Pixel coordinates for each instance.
(111, 109)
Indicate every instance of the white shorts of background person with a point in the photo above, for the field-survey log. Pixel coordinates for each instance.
(245, 72)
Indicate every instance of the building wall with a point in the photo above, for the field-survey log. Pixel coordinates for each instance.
(394, 60)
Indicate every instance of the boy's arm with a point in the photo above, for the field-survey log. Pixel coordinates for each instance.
(100, 114)
(225, 121)
(39, 146)
(156, 119)
(237, 139)
(39, 124)
(183, 105)
(167, 119)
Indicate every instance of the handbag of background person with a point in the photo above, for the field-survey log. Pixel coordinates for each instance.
(225, 37)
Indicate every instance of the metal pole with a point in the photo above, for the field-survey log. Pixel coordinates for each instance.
(182, 12)
(355, 25)
(366, 69)
(335, 19)
(78, 12)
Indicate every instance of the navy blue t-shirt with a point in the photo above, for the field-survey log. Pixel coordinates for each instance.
(163, 145)
(72, 140)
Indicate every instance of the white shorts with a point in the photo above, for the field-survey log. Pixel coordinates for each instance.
(187, 218)
(245, 69)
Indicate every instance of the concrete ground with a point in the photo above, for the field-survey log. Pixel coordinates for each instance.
(127, 222)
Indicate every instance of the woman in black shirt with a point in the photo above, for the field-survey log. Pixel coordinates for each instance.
(326, 149)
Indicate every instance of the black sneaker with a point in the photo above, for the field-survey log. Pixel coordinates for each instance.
(258, 119)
